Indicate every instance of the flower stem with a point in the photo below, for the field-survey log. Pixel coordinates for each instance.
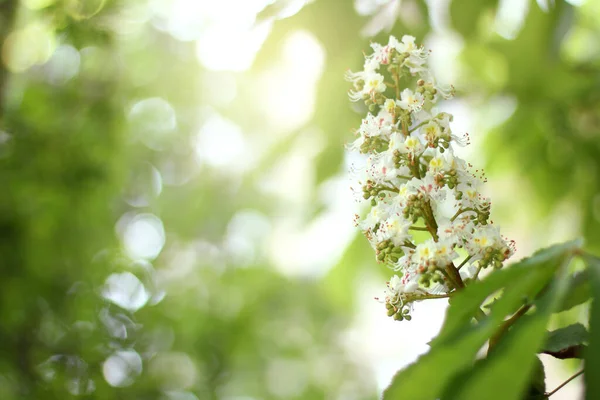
(454, 276)
(460, 211)
(409, 245)
(435, 296)
(479, 267)
(390, 189)
(396, 78)
(404, 128)
(418, 126)
(464, 262)
(430, 221)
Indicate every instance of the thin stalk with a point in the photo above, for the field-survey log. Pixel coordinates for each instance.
(479, 267)
(507, 324)
(414, 169)
(462, 210)
(436, 296)
(563, 384)
(390, 189)
(466, 260)
(448, 277)
(404, 128)
(418, 126)
(520, 312)
(396, 77)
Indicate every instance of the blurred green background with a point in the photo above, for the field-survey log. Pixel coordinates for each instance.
(176, 217)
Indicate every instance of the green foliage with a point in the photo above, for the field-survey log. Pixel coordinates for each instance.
(70, 156)
(563, 338)
(540, 279)
(592, 356)
(75, 166)
(466, 15)
(550, 137)
(578, 292)
(518, 347)
(537, 384)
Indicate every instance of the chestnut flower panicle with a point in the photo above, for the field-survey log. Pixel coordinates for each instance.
(415, 182)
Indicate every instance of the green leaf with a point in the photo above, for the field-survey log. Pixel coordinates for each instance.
(579, 291)
(459, 341)
(537, 384)
(516, 348)
(464, 305)
(554, 252)
(566, 337)
(592, 355)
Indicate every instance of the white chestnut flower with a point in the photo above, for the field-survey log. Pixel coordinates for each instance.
(415, 182)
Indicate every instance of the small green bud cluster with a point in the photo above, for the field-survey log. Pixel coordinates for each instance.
(416, 207)
(398, 313)
(374, 144)
(387, 252)
(495, 257)
(374, 192)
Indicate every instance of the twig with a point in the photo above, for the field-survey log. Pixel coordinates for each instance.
(564, 383)
(507, 324)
